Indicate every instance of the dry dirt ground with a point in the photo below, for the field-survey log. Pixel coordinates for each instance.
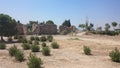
(70, 54)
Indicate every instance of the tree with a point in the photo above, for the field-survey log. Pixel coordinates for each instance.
(99, 29)
(107, 27)
(50, 22)
(114, 24)
(29, 25)
(82, 26)
(66, 23)
(7, 26)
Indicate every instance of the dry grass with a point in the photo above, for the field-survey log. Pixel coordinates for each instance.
(70, 54)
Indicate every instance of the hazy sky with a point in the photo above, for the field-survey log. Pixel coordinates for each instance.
(99, 12)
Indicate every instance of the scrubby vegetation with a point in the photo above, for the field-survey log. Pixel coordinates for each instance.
(54, 45)
(35, 48)
(43, 44)
(26, 46)
(36, 42)
(16, 37)
(34, 62)
(37, 38)
(19, 56)
(9, 39)
(12, 50)
(50, 38)
(43, 39)
(87, 50)
(115, 55)
(2, 45)
(30, 41)
(32, 38)
(46, 51)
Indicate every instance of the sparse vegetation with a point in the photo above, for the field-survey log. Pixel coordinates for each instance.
(87, 50)
(43, 39)
(50, 38)
(26, 46)
(16, 37)
(43, 44)
(9, 39)
(34, 62)
(30, 41)
(35, 48)
(54, 45)
(115, 55)
(36, 42)
(2, 45)
(19, 56)
(37, 38)
(32, 38)
(46, 51)
(12, 50)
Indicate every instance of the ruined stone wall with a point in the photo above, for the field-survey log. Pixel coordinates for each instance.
(44, 29)
(20, 29)
(48, 29)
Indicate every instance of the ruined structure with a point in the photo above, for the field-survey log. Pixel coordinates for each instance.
(22, 29)
(44, 29)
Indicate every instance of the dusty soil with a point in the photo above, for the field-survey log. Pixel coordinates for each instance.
(70, 54)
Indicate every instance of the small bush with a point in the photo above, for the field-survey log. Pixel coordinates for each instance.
(50, 38)
(34, 62)
(43, 44)
(26, 46)
(12, 50)
(115, 55)
(35, 48)
(36, 42)
(32, 38)
(9, 39)
(2, 46)
(55, 45)
(37, 38)
(30, 41)
(87, 50)
(43, 39)
(20, 37)
(19, 56)
(22, 40)
(16, 37)
(46, 51)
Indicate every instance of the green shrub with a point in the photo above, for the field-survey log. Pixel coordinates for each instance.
(32, 38)
(22, 40)
(26, 46)
(36, 42)
(115, 55)
(87, 50)
(34, 62)
(19, 56)
(43, 39)
(16, 37)
(35, 48)
(43, 44)
(37, 38)
(50, 38)
(20, 37)
(30, 41)
(9, 39)
(12, 50)
(55, 45)
(2, 46)
(46, 51)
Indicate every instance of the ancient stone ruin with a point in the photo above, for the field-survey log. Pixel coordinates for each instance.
(44, 29)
